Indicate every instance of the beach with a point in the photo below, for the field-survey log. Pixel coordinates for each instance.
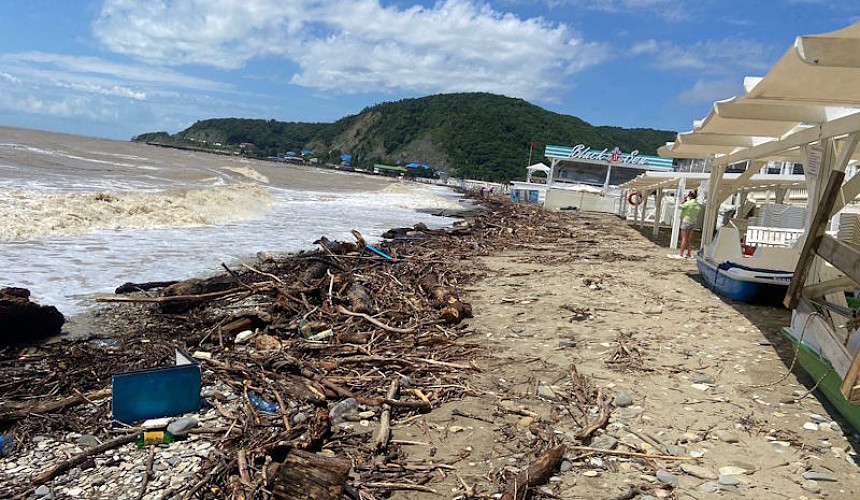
(585, 341)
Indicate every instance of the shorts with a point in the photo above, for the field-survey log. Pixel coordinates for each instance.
(686, 225)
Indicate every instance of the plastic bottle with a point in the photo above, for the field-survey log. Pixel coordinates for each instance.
(7, 445)
(261, 404)
(342, 409)
(322, 335)
(154, 437)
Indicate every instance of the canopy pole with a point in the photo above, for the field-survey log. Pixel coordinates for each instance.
(658, 207)
(644, 207)
(608, 173)
(622, 207)
(712, 207)
(676, 216)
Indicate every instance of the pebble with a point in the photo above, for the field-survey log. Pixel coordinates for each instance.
(709, 487)
(810, 426)
(75, 492)
(565, 466)
(604, 442)
(699, 472)
(819, 476)
(623, 400)
(591, 473)
(732, 470)
(87, 441)
(526, 421)
(818, 418)
(181, 426)
(701, 378)
(727, 437)
(299, 418)
(701, 387)
(675, 450)
(545, 391)
(366, 414)
(810, 486)
(43, 491)
(667, 478)
(517, 329)
(728, 480)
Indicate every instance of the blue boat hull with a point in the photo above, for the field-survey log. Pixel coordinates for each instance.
(731, 281)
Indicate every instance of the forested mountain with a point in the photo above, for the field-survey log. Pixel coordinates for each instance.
(476, 135)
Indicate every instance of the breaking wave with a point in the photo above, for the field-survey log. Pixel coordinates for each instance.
(39, 214)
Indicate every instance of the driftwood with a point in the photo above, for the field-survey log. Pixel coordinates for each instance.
(312, 476)
(360, 300)
(385, 420)
(65, 465)
(129, 287)
(15, 410)
(538, 473)
(318, 430)
(447, 300)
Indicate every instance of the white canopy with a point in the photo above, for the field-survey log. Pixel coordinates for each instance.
(539, 167)
(815, 82)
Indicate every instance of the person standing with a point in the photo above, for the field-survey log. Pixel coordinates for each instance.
(689, 215)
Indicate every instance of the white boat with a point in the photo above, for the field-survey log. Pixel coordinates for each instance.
(762, 277)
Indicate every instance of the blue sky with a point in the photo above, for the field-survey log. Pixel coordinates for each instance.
(116, 68)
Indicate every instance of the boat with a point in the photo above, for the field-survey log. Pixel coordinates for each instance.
(826, 377)
(761, 277)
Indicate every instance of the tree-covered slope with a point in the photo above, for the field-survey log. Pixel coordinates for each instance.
(475, 135)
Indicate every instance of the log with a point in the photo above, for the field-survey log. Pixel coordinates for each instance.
(65, 465)
(200, 288)
(311, 476)
(15, 410)
(537, 474)
(360, 300)
(129, 287)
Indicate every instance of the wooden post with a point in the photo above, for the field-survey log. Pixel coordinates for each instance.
(676, 216)
(818, 225)
(644, 209)
(658, 205)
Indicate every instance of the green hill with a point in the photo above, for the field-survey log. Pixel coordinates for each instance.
(475, 135)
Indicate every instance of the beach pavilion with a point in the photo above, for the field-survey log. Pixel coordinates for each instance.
(806, 109)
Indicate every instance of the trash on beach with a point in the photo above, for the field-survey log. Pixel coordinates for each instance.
(160, 392)
(378, 252)
(261, 404)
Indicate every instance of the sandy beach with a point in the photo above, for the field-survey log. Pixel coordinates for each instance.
(585, 337)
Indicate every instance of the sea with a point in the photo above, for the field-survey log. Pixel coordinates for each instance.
(83, 215)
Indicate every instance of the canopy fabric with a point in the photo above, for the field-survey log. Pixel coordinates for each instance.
(651, 181)
(539, 167)
(817, 80)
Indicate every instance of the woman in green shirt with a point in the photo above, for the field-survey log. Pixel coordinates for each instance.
(689, 215)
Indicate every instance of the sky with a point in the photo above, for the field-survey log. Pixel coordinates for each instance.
(118, 68)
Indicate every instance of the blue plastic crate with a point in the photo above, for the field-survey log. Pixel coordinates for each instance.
(161, 392)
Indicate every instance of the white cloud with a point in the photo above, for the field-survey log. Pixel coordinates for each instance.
(357, 45)
(719, 57)
(670, 10)
(707, 92)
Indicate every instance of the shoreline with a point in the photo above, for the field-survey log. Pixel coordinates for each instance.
(584, 336)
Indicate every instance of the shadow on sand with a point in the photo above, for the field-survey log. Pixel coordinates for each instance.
(768, 319)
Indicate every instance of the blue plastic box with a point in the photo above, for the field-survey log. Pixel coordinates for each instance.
(161, 392)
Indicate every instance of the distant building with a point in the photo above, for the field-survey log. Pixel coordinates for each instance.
(388, 170)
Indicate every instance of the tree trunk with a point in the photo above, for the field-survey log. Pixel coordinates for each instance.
(311, 476)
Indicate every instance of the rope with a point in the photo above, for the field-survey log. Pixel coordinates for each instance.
(794, 359)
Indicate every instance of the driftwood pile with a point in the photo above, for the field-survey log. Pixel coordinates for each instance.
(386, 333)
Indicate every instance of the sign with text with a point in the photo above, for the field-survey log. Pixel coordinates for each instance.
(813, 160)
